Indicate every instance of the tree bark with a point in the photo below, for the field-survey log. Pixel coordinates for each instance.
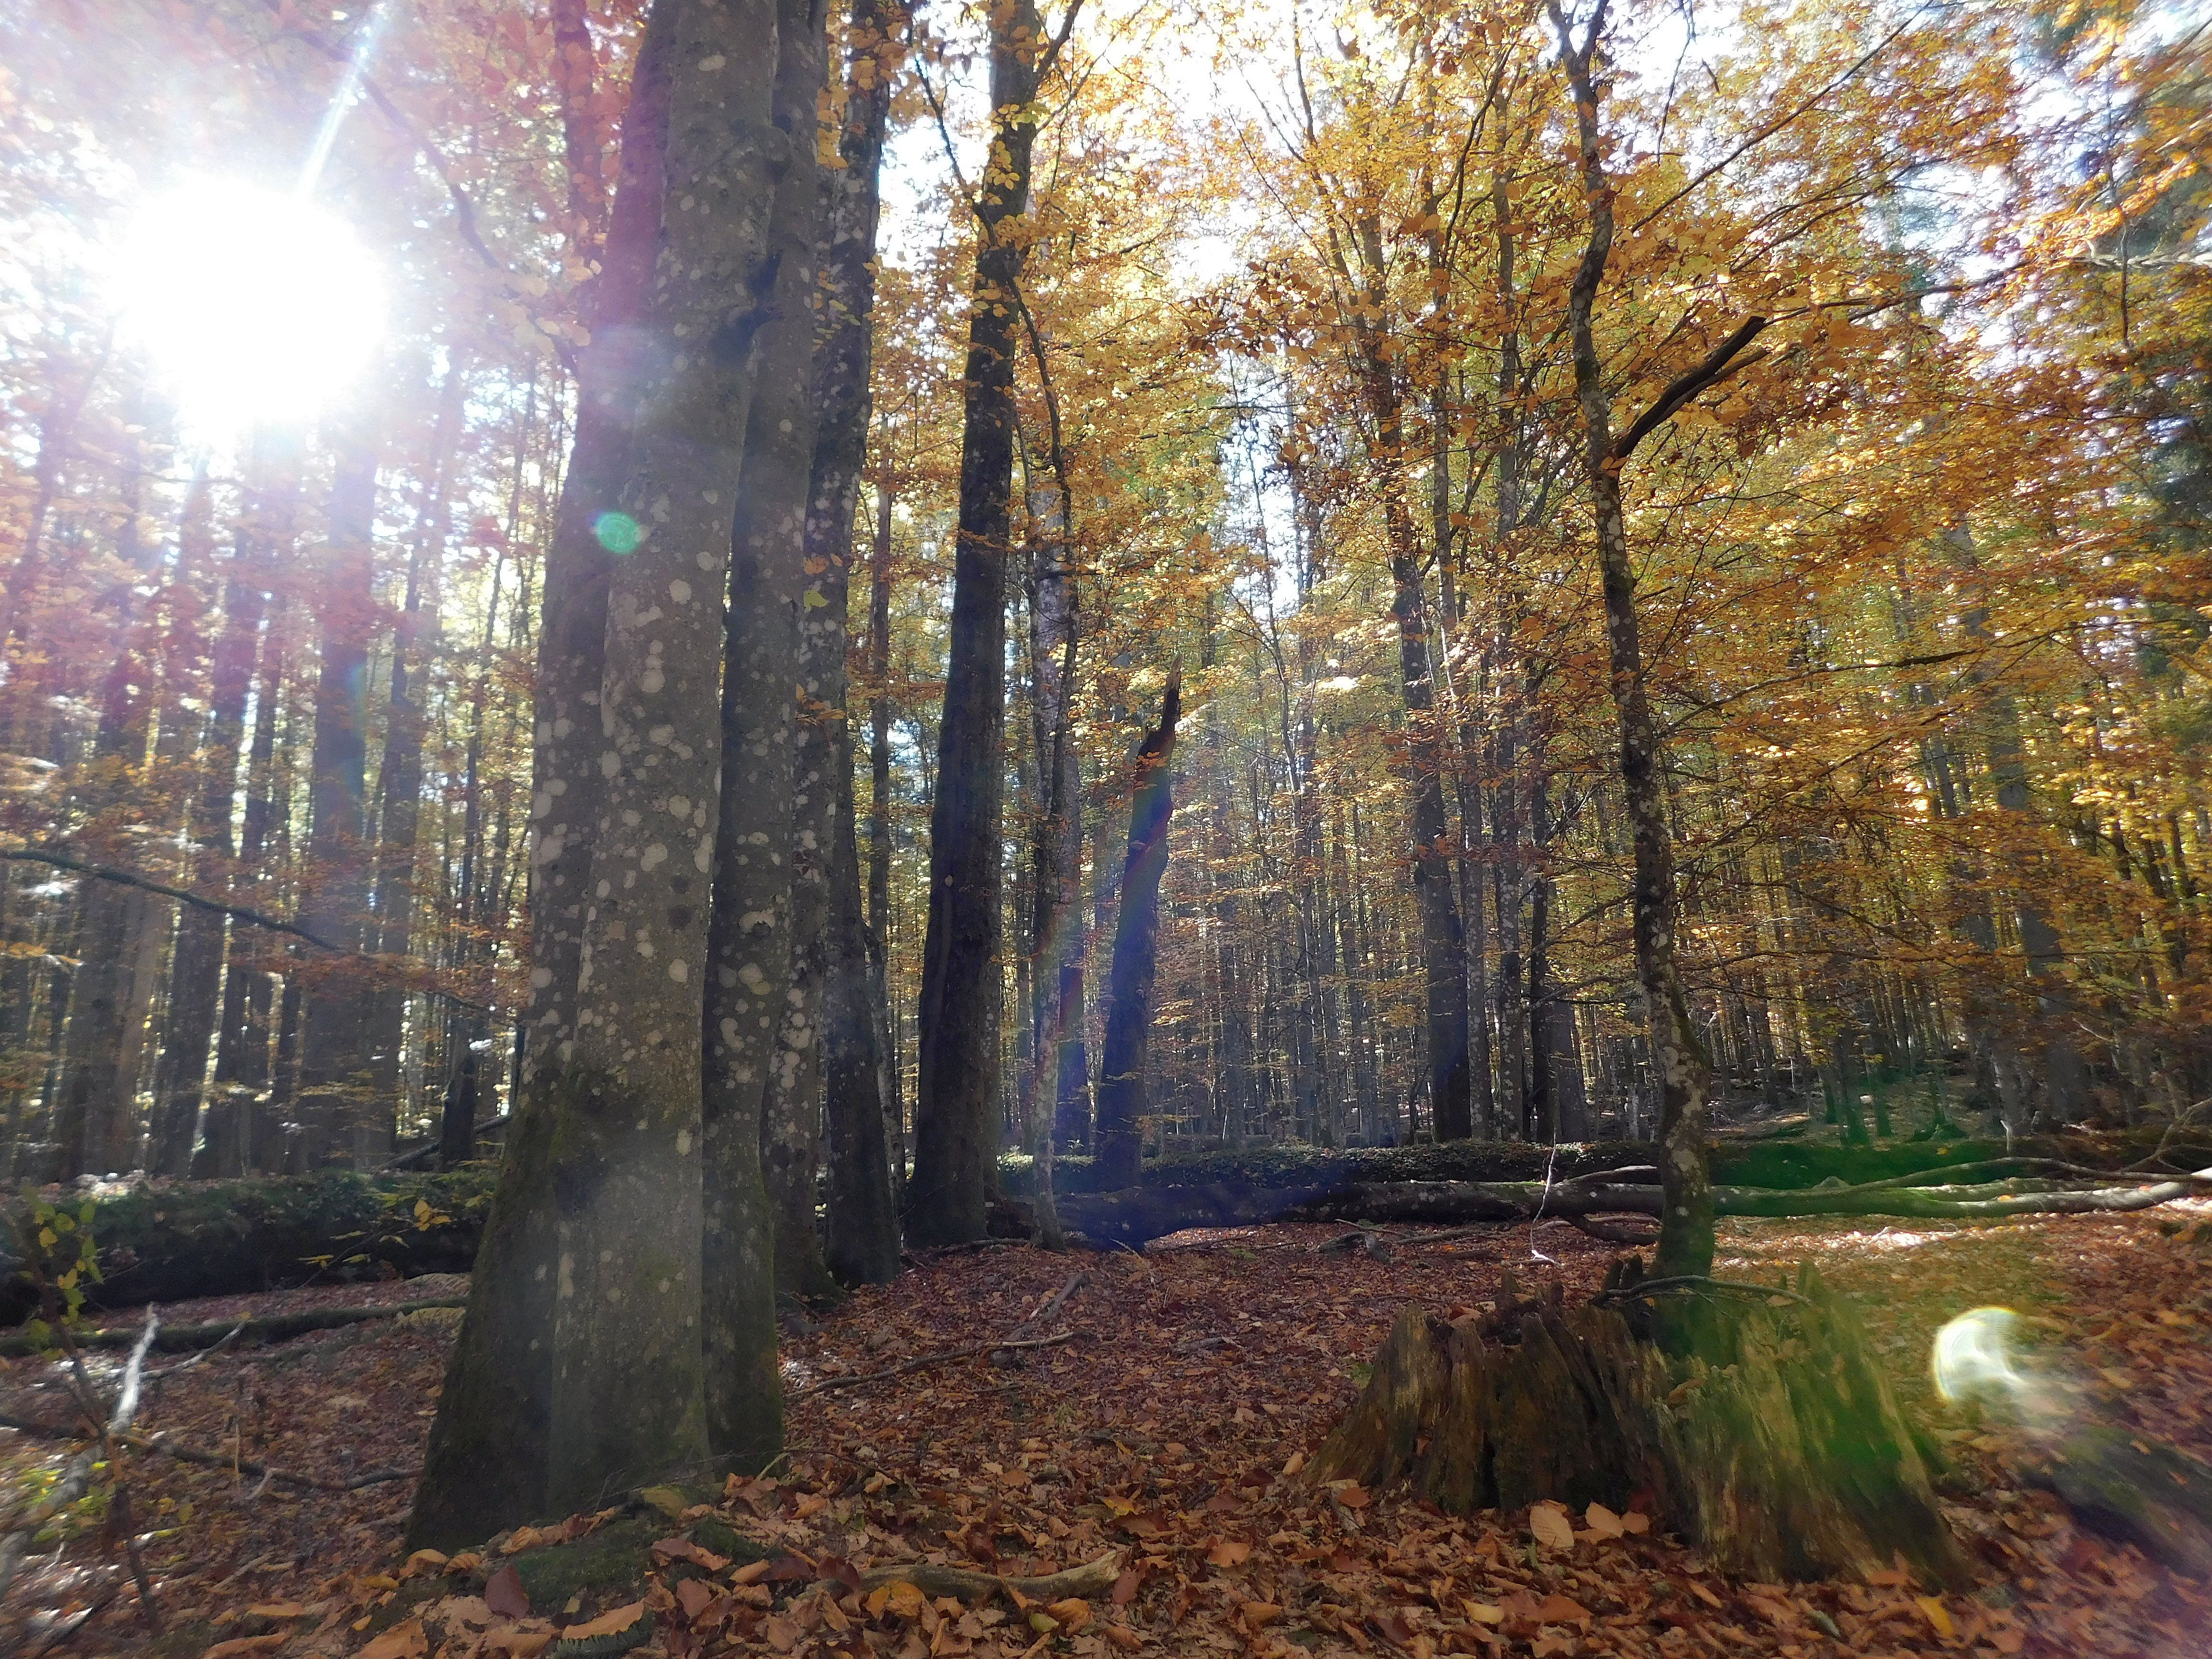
(1685, 1075)
(862, 1241)
(335, 905)
(1773, 1445)
(763, 1004)
(1122, 1083)
(580, 1367)
(955, 1117)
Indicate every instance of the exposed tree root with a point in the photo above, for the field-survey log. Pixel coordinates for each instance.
(1091, 1578)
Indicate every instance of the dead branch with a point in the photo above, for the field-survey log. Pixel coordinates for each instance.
(243, 913)
(272, 1328)
(1092, 1578)
(77, 1479)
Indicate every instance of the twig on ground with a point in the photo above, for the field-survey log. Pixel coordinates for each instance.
(928, 1359)
(108, 1427)
(168, 1448)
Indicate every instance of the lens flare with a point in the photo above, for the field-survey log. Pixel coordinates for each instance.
(1973, 1358)
(253, 305)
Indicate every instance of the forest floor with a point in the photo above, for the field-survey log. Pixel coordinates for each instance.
(1197, 1378)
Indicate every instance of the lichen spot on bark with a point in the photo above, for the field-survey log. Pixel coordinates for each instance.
(566, 1284)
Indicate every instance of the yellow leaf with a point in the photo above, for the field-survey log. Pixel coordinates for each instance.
(1938, 1617)
(1483, 1613)
(1603, 1522)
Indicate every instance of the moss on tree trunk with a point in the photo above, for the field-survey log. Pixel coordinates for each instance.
(1761, 1429)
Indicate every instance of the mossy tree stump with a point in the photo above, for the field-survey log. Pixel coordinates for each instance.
(1759, 1428)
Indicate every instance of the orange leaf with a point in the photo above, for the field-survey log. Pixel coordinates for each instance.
(1561, 1610)
(405, 1640)
(1229, 1552)
(1075, 1612)
(1257, 1613)
(1603, 1522)
(607, 1623)
(239, 1646)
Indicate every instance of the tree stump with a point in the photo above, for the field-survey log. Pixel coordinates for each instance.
(1758, 1426)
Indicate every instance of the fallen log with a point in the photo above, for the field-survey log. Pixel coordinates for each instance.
(270, 1327)
(1141, 1213)
(172, 1240)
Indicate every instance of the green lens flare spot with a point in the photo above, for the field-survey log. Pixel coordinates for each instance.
(618, 533)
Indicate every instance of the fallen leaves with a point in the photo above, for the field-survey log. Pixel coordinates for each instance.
(1192, 1466)
(1549, 1525)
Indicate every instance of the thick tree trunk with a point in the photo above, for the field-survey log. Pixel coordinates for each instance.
(1121, 1082)
(1769, 1440)
(763, 1078)
(1685, 1075)
(581, 1366)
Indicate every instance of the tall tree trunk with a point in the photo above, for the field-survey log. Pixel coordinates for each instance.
(862, 1246)
(335, 905)
(580, 1368)
(197, 981)
(763, 1097)
(1443, 939)
(957, 1084)
(1685, 1075)
(369, 1135)
(1136, 944)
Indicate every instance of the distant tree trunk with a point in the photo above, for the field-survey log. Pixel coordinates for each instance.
(1685, 1075)
(197, 978)
(1443, 940)
(335, 904)
(95, 1116)
(862, 1241)
(1119, 1139)
(369, 1134)
(880, 825)
(580, 1368)
(955, 1115)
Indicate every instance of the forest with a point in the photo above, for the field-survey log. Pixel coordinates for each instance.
(860, 828)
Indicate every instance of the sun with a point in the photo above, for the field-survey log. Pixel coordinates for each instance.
(252, 305)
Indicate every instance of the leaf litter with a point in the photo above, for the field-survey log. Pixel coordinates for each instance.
(1152, 1459)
